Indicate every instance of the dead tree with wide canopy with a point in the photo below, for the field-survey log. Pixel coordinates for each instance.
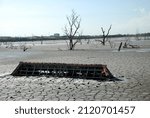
(71, 30)
(105, 36)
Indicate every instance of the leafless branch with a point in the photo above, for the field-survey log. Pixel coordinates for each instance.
(108, 30)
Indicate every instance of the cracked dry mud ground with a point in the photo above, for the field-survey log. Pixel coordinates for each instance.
(133, 67)
(45, 89)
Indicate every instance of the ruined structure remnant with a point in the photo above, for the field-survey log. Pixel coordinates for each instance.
(83, 71)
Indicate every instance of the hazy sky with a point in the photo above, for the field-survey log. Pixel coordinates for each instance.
(46, 17)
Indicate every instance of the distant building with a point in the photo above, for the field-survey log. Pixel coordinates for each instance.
(56, 35)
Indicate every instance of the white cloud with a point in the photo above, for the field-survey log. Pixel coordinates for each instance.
(140, 10)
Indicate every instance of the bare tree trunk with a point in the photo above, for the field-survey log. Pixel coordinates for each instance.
(70, 44)
(120, 46)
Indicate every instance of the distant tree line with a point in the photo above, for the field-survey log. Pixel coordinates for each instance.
(44, 38)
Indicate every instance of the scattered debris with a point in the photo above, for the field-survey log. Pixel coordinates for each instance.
(130, 46)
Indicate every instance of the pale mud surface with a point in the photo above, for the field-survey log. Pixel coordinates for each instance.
(131, 66)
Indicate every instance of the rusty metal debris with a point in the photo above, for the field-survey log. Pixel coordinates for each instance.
(85, 71)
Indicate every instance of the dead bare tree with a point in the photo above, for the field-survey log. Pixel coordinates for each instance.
(71, 30)
(105, 36)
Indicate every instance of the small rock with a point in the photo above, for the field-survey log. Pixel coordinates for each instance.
(59, 88)
(11, 97)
